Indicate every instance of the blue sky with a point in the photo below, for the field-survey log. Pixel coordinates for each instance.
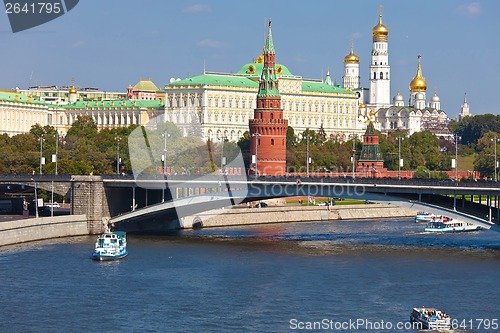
(111, 44)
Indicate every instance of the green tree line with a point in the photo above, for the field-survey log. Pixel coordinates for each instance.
(84, 149)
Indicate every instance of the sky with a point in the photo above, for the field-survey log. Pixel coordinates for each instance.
(111, 44)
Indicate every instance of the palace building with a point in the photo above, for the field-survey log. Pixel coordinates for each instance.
(222, 104)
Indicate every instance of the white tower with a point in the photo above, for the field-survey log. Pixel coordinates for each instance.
(417, 85)
(464, 111)
(351, 70)
(380, 71)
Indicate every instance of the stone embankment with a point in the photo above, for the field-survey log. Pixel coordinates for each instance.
(247, 216)
(27, 230)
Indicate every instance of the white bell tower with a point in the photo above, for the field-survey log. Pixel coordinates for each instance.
(380, 71)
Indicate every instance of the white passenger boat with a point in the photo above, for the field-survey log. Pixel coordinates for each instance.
(110, 246)
(430, 318)
(451, 225)
(424, 217)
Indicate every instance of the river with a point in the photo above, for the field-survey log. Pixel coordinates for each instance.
(341, 276)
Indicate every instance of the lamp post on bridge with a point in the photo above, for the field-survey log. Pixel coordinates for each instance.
(257, 136)
(42, 160)
(495, 140)
(118, 139)
(455, 164)
(353, 158)
(222, 158)
(400, 162)
(36, 199)
(308, 159)
(165, 135)
(54, 159)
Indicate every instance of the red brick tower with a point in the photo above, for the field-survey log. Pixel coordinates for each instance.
(268, 128)
(370, 161)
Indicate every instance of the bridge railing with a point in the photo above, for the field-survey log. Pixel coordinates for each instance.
(346, 180)
(30, 178)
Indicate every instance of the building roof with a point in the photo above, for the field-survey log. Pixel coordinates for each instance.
(115, 104)
(145, 85)
(12, 96)
(318, 86)
(216, 80)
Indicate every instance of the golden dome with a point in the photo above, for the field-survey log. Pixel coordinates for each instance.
(418, 84)
(72, 90)
(260, 59)
(380, 31)
(362, 106)
(351, 58)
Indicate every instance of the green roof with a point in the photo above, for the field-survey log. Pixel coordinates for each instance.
(254, 70)
(112, 104)
(216, 80)
(316, 86)
(370, 129)
(12, 96)
(146, 85)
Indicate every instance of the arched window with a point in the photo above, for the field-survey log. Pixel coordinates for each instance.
(272, 142)
(374, 75)
(387, 75)
(381, 75)
(272, 116)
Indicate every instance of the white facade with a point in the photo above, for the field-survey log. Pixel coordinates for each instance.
(19, 113)
(224, 111)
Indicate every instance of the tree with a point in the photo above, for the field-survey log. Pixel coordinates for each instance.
(485, 159)
(471, 129)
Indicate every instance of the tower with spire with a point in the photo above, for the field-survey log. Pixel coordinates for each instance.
(351, 70)
(268, 128)
(370, 160)
(464, 111)
(380, 71)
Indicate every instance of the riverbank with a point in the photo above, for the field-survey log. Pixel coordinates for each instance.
(284, 214)
(33, 229)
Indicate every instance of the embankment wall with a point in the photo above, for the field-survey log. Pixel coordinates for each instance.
(27, 230)
(246, 216)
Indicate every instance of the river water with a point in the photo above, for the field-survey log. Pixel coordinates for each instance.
(342, 276)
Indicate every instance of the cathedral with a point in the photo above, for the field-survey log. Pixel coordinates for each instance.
(375, 105)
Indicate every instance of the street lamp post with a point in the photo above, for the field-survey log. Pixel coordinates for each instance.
(308, 159)
(54, 159)
(399, 138)
(41, 153)
(257, 135)
(36, 199)
(118, 139)
(495, 140)
(353, 158)
(164, 158)
(456, 156)
(456, 171)
(222, 162)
